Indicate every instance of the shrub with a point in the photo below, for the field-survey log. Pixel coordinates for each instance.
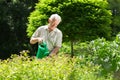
(56, 68)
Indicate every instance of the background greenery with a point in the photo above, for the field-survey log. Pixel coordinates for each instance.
(13, 24)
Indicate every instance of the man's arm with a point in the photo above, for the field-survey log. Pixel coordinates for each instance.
(58, 44)
(54, 51)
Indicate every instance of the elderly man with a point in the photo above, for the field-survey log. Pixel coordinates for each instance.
(49, 34)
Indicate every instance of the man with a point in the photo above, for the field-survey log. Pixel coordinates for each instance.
(49, 34)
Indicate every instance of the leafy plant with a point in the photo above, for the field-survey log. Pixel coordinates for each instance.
(106, 54)
(102, 52)
(55, 68)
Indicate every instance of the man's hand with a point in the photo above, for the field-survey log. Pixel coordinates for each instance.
(35, 40)
(52, 54)
(39, 40)
(54, 51)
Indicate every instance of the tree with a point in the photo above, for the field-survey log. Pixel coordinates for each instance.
(115, 8)
(13, 19)
(81, 19)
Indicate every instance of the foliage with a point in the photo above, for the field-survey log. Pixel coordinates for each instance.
(107, 54)
(101, 52)
(115, 8)
(56, 68)
(13, 19)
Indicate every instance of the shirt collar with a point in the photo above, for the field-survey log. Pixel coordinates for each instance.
(55, 30)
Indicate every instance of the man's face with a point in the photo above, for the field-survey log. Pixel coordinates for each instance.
(53, 24)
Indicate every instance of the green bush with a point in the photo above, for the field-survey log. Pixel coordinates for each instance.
(106, 53)
(100, 51)
(56, 68)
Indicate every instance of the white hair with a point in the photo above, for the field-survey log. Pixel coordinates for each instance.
(56, 17)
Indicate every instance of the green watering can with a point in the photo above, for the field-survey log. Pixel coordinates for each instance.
(42, 51)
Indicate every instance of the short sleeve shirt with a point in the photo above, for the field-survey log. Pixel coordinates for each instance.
(53, 38)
